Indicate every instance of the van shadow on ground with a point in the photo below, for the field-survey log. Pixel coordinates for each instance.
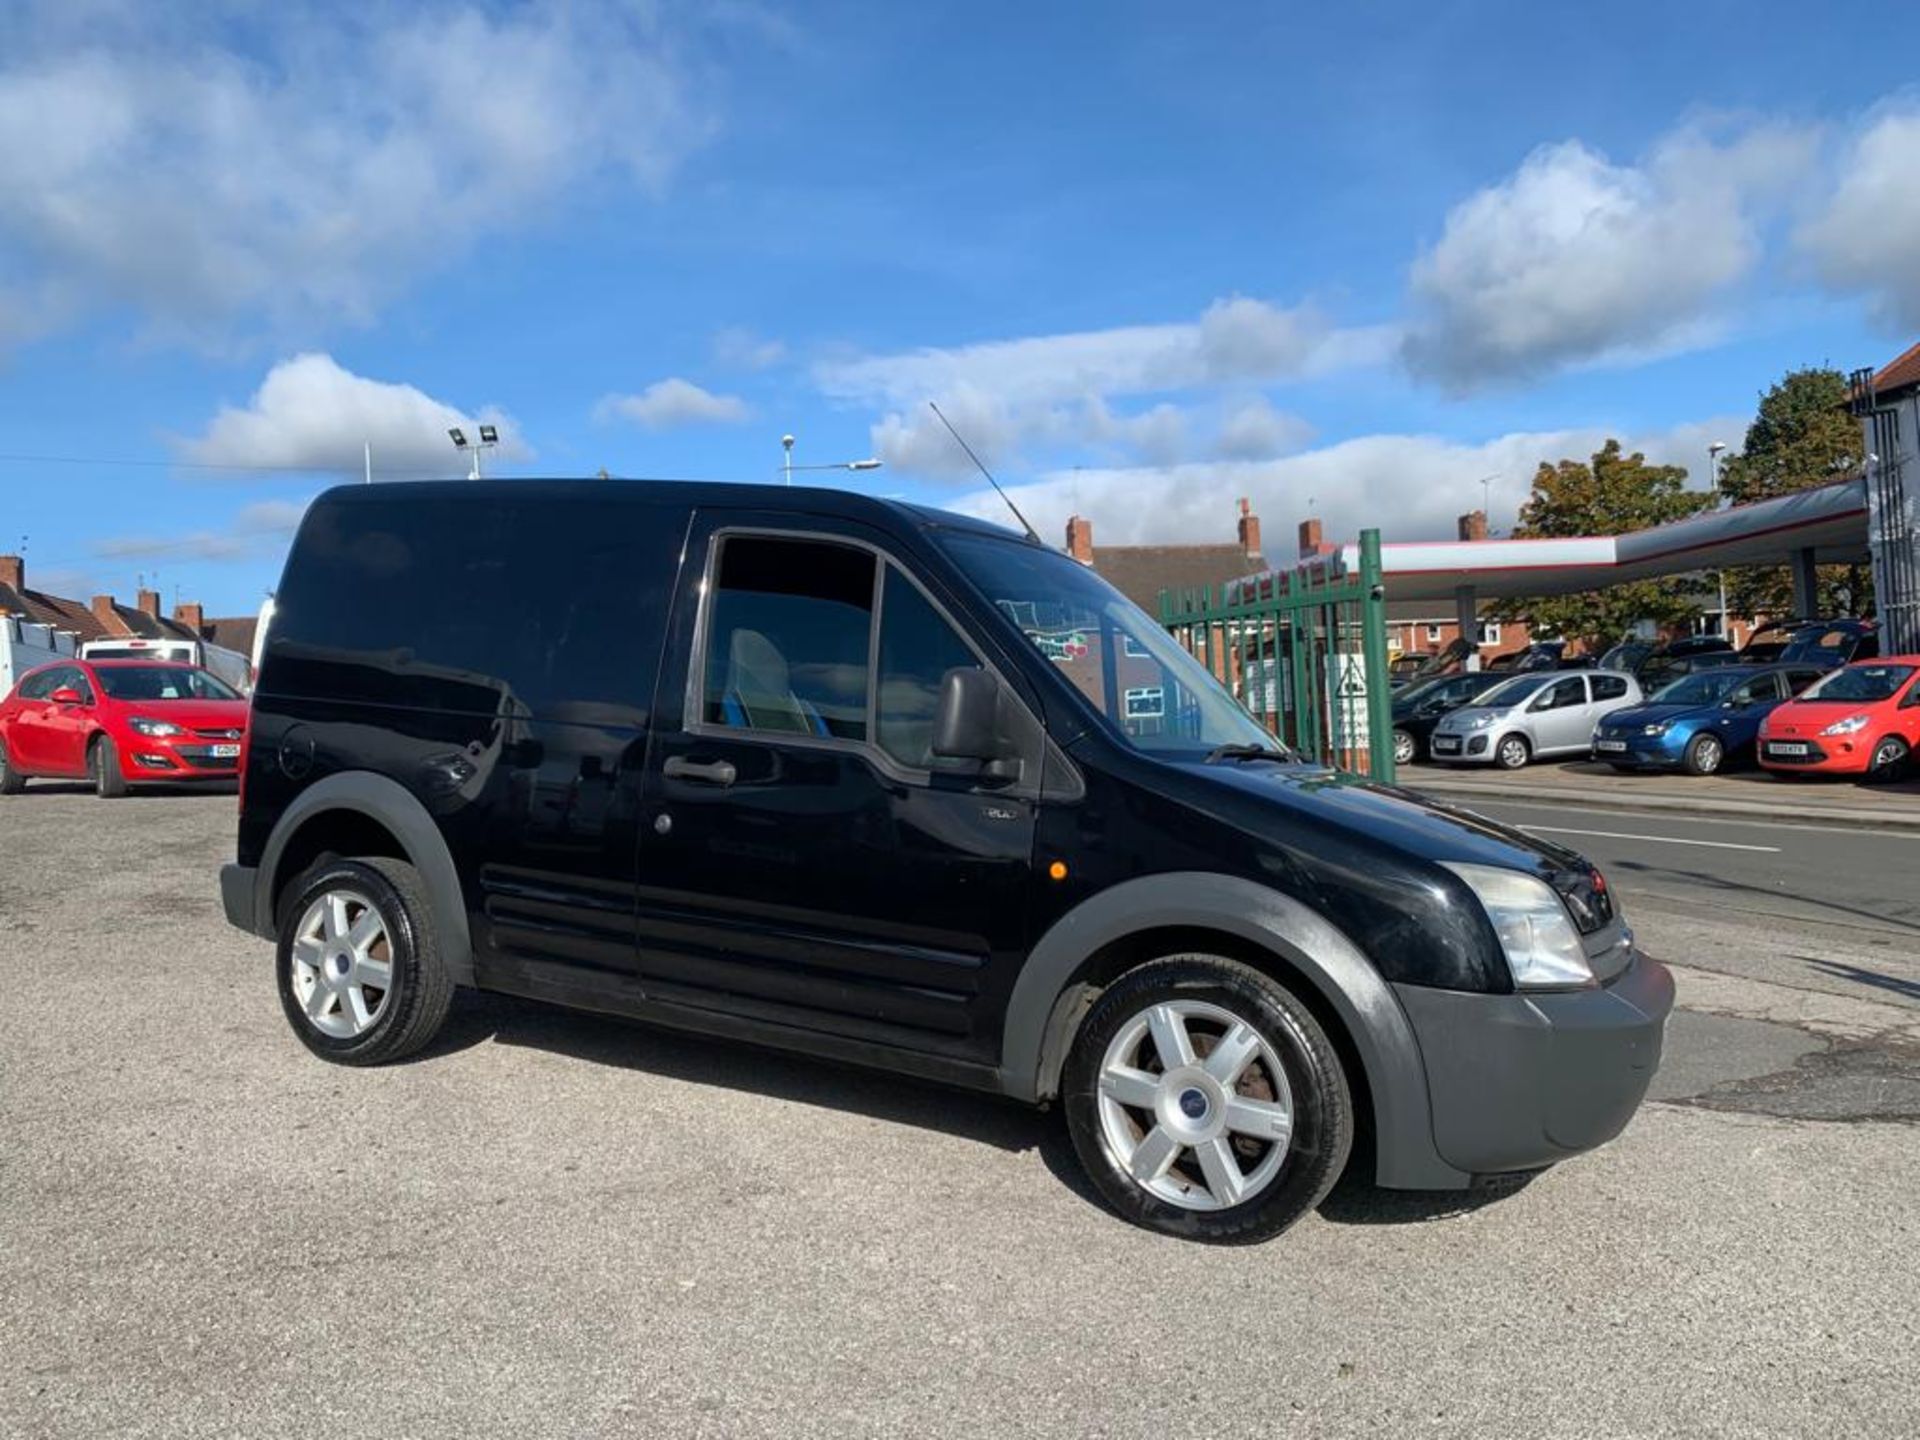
(479, 1018)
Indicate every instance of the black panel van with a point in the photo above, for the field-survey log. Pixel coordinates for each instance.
(881, 784)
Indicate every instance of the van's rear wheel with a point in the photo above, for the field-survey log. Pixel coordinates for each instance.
(360, 973)
(1205, 1101)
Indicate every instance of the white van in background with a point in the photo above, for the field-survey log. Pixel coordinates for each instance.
(228, 665)
(26, 646)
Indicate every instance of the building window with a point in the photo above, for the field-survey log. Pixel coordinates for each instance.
(1489, 632)
(1433, 634)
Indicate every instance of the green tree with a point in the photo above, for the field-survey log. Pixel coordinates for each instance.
(1802, 436)
(1611, 495)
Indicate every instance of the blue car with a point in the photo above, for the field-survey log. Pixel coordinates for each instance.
(1701, 723)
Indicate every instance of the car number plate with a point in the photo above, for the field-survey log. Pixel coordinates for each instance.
(226, 752)
(1446, 743)
(1609, 744)
(1786, 747)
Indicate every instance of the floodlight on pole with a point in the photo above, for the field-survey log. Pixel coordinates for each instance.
(489, 439)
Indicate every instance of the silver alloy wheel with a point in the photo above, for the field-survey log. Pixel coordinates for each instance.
(1402, 748)
(1708, 754)
(342, 962)
(1180, 1111)
(1889, 754)
(1513, 752)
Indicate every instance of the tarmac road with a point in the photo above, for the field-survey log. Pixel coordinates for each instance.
(562, 1225)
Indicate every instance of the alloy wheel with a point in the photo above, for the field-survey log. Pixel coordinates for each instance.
(1707, 754)
(1513, 752)
(1402, 748)
(1194, 1105)
(342, 964)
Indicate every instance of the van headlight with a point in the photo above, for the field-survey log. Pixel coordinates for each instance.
(1543, 949)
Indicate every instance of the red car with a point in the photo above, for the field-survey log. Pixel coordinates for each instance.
(1862, 719)
(120, 722)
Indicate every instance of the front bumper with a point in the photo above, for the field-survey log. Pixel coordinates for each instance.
(165, 759)
(1517, 1082)
(1647, 752)
(1475, 747)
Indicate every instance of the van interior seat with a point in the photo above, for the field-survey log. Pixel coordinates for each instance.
(759, 693)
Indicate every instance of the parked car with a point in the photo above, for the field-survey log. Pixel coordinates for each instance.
(1418, 708)
(873, 782)
(1532, 717)
(1658, 663)
(1825, 643)
(1540, 655)
(1701, 723)
(120, 723)
(1862, 719)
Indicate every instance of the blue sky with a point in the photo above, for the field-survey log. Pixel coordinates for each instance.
(1341, 259)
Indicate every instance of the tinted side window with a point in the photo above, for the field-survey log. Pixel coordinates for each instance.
(38, 686)
(788, 634)
(1761, 687)
(1608, 687)
(494, 604)
(917, 648)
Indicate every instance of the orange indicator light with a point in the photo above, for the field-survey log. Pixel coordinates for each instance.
(1058, 870)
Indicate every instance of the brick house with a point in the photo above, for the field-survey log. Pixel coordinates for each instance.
(1141, 572)
(105, 618)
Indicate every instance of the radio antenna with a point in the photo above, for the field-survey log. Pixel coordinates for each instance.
(1032, 534)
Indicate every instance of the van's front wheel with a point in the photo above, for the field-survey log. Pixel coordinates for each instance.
(1205, 1101)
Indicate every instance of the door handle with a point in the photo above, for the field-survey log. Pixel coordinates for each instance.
(710, 772)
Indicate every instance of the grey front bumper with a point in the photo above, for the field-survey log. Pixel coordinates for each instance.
(239, 897)
(1517, 1082)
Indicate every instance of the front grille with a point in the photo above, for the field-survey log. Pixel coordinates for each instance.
(1813, 756)
(221, 733)
(201, 757)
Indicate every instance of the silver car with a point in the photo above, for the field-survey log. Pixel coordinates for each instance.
(1550, 712)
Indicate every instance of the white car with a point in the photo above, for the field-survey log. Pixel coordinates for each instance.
(1546, 713)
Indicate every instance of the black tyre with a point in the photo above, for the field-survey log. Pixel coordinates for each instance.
(1205, 1101)
(1705, 755)
(360, 972)
(1512, 752)
(103, 760)
(12, 782)
(1890, 760)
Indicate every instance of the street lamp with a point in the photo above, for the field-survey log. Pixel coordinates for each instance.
(1713, 484)
(489, 440)
(787, 467)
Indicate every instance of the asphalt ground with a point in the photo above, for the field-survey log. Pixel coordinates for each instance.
(562, 1225)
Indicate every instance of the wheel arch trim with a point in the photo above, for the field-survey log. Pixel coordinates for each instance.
(1047, 1004)
(387, 803)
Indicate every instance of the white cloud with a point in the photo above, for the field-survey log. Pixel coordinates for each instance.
(1866, 237)
(672, 402)
(311, 414)
(1254, 430)
(1573, 257)
(740, 349)
(1236, 339)
(1413, 487)
(147, 162)
(258, 528)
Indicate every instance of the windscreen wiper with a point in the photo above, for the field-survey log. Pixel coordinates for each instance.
(1249, 752)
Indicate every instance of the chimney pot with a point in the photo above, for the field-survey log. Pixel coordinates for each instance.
(190, 615)
(1080, 539)
(1473, 525)
(149, 603)
(13, 572)
(1310, 541)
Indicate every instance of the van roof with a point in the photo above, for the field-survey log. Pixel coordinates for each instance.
(799, 499)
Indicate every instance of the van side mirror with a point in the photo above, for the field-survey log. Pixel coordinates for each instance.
(971, 722)
(66, 695)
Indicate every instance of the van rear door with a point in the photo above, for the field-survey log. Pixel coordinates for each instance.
(807, 860)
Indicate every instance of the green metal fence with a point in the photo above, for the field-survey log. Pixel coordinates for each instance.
(1305, 650)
